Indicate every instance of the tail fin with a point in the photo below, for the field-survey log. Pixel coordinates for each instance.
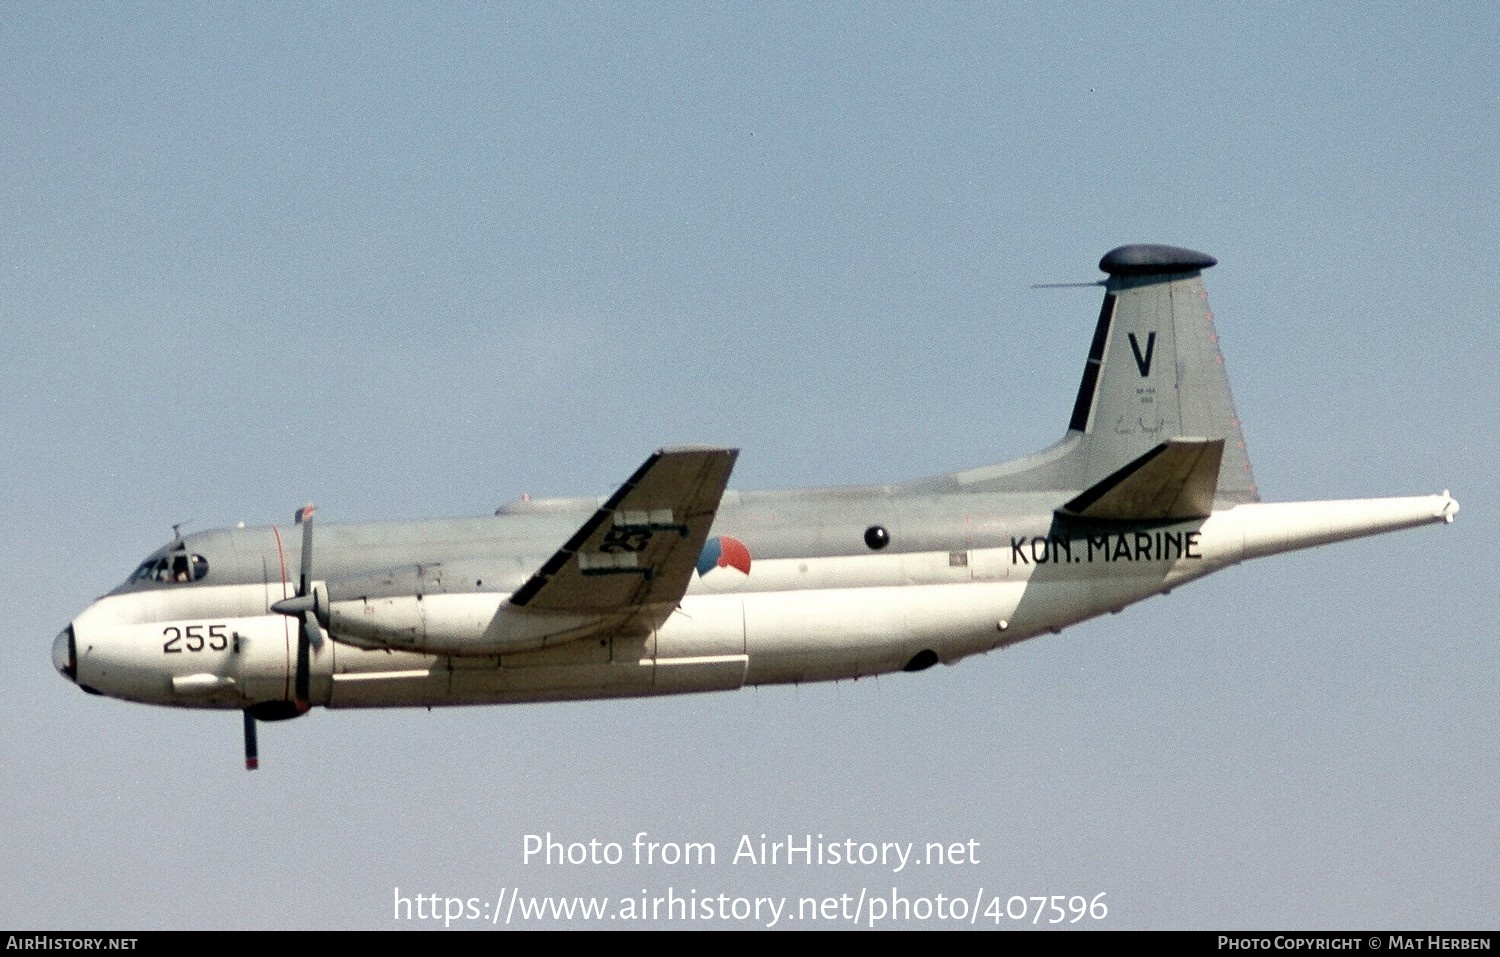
(1154, 373)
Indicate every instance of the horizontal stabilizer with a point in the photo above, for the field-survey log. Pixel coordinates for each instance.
(1172, 482)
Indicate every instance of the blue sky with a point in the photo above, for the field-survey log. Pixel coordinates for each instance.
(410, 260)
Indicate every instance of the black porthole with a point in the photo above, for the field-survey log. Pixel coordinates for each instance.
(877, 537)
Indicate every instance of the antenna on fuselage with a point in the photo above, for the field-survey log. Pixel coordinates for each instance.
(177, 533)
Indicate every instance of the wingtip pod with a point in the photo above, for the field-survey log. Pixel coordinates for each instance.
(1270, 529)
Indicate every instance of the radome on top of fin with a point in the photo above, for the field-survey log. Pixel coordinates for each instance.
(1153, 260)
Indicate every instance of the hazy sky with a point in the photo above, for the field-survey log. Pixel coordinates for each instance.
(409, 260)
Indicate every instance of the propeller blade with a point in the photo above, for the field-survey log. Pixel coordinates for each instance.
(312, 629)
(304, 669)
(252, 750)
(309, 634)
(304, 607)
(306, 594)
(304, 574)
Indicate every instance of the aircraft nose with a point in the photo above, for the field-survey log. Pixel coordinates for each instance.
(65, 654)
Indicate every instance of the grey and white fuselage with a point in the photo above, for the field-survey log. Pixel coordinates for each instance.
(1149, 489)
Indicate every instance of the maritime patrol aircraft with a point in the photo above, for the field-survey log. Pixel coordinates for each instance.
(673, 584)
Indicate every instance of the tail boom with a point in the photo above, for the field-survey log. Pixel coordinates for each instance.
(1273, 528)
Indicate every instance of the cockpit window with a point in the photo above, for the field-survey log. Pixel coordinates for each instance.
(172, 568)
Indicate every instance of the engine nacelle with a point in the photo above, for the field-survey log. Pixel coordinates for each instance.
(464, 625)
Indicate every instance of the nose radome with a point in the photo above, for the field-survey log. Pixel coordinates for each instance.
(65, 654)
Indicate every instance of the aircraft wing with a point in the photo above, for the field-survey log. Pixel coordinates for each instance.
(637, 553)
(1172, 482)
